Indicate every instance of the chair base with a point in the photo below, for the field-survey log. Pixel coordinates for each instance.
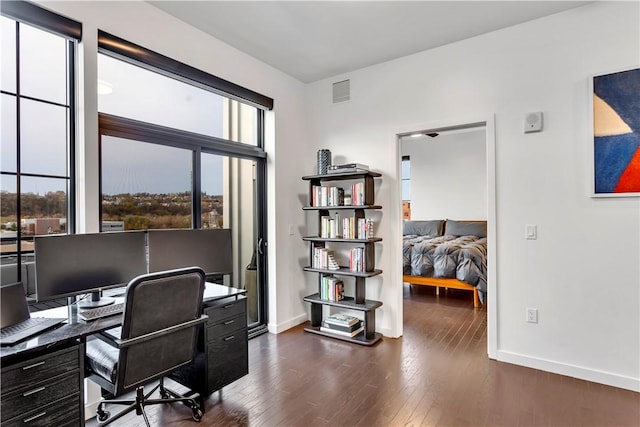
(104, 417)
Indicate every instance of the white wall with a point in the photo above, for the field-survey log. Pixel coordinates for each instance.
(143, 24)
(583, 272)
(448, 175)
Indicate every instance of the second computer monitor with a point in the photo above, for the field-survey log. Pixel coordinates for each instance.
(209, 249)
(73, 264)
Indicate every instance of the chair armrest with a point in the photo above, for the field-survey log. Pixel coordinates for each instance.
(120, 343)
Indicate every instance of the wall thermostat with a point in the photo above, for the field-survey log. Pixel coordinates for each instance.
(533, 122)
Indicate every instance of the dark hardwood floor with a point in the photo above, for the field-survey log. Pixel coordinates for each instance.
(437, 374)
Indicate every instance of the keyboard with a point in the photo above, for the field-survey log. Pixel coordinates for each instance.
(27, 328)
(100, 312)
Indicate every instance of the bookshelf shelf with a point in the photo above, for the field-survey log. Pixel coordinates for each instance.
(326, 239)
(358, 339)
(348, 303)
(344, 271)
(341, 207)
(365, 192)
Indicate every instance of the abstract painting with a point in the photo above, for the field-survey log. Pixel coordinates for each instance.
(616, 131)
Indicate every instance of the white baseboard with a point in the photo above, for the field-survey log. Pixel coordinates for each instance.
(281, 327)
(601, 377)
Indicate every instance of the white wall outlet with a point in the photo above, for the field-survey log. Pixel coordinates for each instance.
(530, 231)
(532, 315)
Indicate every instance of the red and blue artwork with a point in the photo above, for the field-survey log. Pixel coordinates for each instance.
(616, 126)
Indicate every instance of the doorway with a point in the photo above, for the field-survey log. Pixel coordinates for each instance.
(481, 194)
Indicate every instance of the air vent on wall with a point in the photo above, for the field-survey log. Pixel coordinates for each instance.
(341, 91)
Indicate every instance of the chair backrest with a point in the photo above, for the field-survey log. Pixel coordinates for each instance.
(157, 306)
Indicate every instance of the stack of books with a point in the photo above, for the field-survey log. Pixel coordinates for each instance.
(348, 167)
(342, 324)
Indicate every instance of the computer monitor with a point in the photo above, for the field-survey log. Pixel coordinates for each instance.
(209, 249)
(73, 264)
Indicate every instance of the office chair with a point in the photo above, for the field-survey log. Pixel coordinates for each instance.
(162, 315)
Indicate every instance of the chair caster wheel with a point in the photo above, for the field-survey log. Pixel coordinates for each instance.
(103, 415)
(196, 414)
(164, 394)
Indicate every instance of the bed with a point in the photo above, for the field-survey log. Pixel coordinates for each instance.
(447, 254)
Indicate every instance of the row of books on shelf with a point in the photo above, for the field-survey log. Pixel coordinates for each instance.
(324, 259)
(331, 288)
(342, 324)
(347, 228)
(327, 196)
(335, 196)
(357, 260)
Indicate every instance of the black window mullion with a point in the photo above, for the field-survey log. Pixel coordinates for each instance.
(147, 132)
(71, 140)
(196, 185)
(18, 159)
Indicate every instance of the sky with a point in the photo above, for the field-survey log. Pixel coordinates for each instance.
(127, 166)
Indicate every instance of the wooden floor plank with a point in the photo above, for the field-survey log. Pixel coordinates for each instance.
(437, 374)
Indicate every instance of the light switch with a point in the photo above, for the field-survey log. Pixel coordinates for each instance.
(291, 229)
(530, 231)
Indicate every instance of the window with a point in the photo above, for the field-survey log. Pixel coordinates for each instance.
(406, 178)
(149, 187)
(38, 133)
(406, 188)
(178, 151)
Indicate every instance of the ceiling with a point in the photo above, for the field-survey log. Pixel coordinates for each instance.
(313, 40)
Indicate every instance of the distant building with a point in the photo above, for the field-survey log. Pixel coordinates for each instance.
(112, 226)
(40, 226)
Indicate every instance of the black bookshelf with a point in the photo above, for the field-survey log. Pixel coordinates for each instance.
(358, 301)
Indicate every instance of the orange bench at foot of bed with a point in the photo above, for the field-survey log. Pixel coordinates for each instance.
(443, 283)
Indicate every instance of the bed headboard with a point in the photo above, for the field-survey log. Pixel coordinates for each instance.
(441, 227)
(465, 228)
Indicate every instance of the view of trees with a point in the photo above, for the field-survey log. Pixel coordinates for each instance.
(139, 211)
(50, 205)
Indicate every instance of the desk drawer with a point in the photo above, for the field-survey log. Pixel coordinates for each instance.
(223, 327)
(225, 310)
(60, 414)
(39, 395)
(227, 359)
(24, 375)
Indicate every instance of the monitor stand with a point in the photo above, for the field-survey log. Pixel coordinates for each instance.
(96, 301)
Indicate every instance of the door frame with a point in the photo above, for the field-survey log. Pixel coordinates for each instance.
(488, 122)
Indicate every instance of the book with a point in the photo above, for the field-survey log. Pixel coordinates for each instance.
(342, 328)
(348, 166)
(348, 170)
(342, 319)
(341, 333)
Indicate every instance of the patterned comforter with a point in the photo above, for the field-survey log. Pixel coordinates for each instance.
(463, 258)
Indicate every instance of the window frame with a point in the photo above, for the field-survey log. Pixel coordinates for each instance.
(25, 13)
(115, 126)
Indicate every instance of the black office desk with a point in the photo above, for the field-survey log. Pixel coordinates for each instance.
(63, 348)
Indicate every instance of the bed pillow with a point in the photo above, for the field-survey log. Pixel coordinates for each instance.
(423, 228)
(466, 228)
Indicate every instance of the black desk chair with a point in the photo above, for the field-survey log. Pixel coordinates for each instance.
(162, 314)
